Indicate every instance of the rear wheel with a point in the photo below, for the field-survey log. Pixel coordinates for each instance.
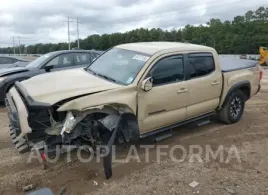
(233, 109)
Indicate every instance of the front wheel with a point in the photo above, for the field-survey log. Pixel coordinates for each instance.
(233, 109)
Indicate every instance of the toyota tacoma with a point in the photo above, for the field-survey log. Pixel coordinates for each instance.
(130, 92)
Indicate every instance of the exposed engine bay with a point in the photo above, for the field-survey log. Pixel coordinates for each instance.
(99, 126)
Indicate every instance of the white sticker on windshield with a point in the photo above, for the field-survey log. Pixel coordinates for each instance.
(141, 58)
(130, 79)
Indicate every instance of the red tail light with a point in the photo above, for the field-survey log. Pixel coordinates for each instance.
(259, 68)
(261, 74)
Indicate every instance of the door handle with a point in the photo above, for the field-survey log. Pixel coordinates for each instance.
(182, 90)
(215, 83)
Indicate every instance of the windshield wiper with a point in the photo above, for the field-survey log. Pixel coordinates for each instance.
(103, 76)
(108, 78)
(91, 71)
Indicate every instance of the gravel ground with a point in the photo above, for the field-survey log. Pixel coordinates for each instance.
(247, 174)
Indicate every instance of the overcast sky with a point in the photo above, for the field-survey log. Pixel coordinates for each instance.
(45, 20)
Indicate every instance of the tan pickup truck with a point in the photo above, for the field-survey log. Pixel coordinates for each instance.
(131, 91)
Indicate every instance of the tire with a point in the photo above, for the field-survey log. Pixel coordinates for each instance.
(233, 109)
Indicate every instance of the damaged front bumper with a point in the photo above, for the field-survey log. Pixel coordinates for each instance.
(19, 127)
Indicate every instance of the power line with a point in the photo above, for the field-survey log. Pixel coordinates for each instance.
(69, 44)
(14, 45)
(78, 44)
(77, 31)
(19, 44)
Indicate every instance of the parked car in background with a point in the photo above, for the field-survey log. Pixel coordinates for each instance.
(50, 62)
(12, 61)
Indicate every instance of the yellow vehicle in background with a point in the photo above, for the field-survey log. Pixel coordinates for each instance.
(263, 56)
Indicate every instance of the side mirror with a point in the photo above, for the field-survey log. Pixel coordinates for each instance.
(147, 84)
(48, 68)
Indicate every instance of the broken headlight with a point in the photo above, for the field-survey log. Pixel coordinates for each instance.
(69, 123)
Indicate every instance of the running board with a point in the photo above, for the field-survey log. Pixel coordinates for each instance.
(202, 123)
(157, 131)
(162, 136)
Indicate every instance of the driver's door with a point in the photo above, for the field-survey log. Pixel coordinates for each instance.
(165, 104)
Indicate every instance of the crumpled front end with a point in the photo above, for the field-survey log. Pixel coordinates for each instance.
(18, 117)
(37, 125)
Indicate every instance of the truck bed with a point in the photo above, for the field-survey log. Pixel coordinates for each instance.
(230, 64)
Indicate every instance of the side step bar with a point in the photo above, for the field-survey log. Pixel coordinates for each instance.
(163, 136)
(164, 129)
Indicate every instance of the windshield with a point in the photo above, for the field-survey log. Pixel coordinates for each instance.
(38, 61)
(119, 65)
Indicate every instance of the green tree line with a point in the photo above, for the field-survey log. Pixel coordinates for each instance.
(243, 35)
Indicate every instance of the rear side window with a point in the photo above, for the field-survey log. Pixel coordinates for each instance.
(82, 58)
(201, 64)
(61, 61)
(15, 60)
(168, 70)
(94, 56)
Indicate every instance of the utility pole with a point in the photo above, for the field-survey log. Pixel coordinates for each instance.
(78, 44)
(14, 45)
(69, 34)
(19, 44)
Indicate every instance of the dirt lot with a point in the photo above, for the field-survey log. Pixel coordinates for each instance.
(249, 175)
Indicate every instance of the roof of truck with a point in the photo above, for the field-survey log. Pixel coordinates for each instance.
(153, 47)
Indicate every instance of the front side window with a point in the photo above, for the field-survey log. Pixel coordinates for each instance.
(62, 60)
(39, 61)
(119, 65)
(168, 70)
(201, 64)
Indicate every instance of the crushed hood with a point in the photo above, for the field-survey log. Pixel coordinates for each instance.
(53, 87)
(7, 71)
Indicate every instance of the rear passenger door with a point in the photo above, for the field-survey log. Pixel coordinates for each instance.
(204, 83)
